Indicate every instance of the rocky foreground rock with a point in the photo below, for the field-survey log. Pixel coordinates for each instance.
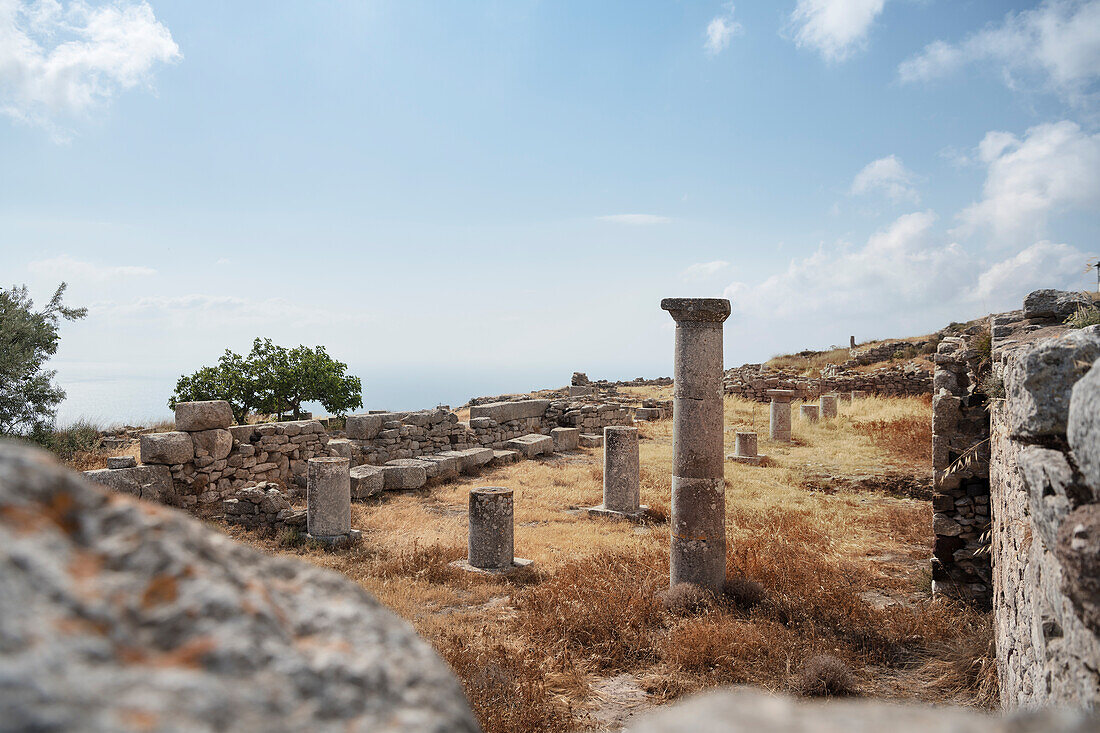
(117, 614)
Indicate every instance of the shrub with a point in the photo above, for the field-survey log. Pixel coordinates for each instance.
(1084, 317)
(744, 593)
(74, 444)
(824, 676)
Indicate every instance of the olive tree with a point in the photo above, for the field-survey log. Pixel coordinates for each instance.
(28, 338)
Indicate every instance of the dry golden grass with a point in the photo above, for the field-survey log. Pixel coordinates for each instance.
(528, 647)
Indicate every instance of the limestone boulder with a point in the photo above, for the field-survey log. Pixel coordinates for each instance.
(167, 448)
(403, 474)
(206, 415)
(1084, 426)
(1054, 304)
(1039, 382)
(214, 444)
(119, 614)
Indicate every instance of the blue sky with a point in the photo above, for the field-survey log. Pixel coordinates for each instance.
(493, 194)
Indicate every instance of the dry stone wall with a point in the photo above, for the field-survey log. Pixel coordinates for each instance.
(960, 462)
(1046, 521)
(752, 381)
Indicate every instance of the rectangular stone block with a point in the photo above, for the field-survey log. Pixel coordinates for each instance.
(363, 427)
(590, 440)
(531, 445)
(404, 473)
(366, 481)
(206, 415)
(167, 448)
(565, 438)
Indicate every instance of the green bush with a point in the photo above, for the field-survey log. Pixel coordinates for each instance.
(81, 436)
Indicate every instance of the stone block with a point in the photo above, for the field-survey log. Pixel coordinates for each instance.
(531, 445)
(117, 462)
(213, 443)
(167, 448)
(1054, 304)
(474, 458)
(207, 415)
(506, 411)
(340, 447)
(363, 427)
(366, 481)
(505, 457)
(565, 438)
(590, 440)
(152, 483)
(1084, 427)
(404, 474)
(442, 467)
(1039, 382)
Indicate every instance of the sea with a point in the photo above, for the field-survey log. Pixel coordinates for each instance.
(112, 399)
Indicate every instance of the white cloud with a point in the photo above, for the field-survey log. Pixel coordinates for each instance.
(77, 271)
(889, 176)
(835, 28)
(900, 267)
(59, 61)
(1042, 265)
(719, 32)
(704, 270)
(1055, 167)
(226, 310)
(1057, 42)
(635, 219)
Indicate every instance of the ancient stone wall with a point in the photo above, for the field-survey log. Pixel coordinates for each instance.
(752, 381)
(212, 462)
(960, 462)
(1046, 522)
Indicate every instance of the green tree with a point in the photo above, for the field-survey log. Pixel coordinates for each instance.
(28, 338)
(273, 380)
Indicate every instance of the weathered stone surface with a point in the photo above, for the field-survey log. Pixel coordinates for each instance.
(1054, 304)
(215, 444)
(404, 474)
(1077, 546)
(152, 483)
(809, 413)
(167, 448)
(363, 427)
(118, 613)
(1052, 486)
(340, 447)
(116, 462)
(207, 415)
(328, 497)
(491, 541)
(590, 440)
(506, 411)
(779, 428)
(620, 470)
(1083, 429)
(1039, 383)
(531, 445)
(828, 406)
(748, 710)
(442, 467)
(565, 438)
(366, 481)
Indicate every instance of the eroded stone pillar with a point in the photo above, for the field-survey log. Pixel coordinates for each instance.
(328, 500)
(698, 547)
(828, 406)
(809, 412)
(491, 546)
(780, 430)
(745, 449)
(620, 475)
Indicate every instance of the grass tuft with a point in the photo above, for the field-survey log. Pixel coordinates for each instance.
(824, 675)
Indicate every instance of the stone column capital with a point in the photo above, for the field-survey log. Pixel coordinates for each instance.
(697, 310)
(781, 395)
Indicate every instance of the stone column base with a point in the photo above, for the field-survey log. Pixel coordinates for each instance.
(517, 563)
(602, 511)
(336, 541)
(750, 460)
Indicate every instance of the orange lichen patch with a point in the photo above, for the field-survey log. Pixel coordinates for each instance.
(188, 655)
(62, 511)
(329, 643)
(23, 520)
(84, 568)
(140, 720)
(73, 625)
(161, 589)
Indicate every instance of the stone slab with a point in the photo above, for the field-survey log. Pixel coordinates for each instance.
(747, 460)
(404, 474)
(366, 481)
(152, 483)
(590, 440)
(205, 415)
(565, 438)
(517, 563)
(531, 445)
(604, 512)
(506, 411)
(167, 448)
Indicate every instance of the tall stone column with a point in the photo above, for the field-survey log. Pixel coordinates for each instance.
(780, 430)
(828, 406)
(328, 500)
(620, 475)
(698, 547)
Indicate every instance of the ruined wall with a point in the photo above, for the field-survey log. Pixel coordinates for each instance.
(1046, 521)
(752, 381)
(960, 462)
